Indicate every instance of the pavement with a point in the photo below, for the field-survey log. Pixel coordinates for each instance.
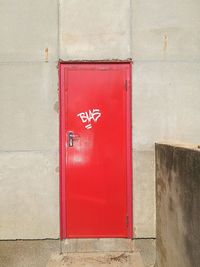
(77, 253)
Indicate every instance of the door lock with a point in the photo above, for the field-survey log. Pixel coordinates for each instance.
(71, 138)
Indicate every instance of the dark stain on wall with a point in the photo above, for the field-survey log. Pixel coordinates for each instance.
(178, 206)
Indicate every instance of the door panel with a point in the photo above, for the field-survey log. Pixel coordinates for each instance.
(94, 178)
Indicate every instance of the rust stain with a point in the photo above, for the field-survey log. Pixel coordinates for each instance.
(46, 52)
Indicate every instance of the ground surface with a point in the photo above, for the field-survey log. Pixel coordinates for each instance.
(47, 253)
(97, 259)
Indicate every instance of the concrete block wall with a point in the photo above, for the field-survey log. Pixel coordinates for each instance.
(162, 39)
(29, 193)
(94, 30)
(166, 82)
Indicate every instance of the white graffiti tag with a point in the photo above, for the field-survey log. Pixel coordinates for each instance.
(89, 116)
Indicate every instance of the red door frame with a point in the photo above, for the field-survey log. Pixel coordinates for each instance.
(62, 142)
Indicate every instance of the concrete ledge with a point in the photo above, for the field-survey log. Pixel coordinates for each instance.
(178, 205)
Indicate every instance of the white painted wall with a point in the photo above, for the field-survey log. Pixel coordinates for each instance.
(161, 37)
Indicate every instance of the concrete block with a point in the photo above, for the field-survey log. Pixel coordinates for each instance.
(165, 103)
(28, 29)
(143, 194)
(97, 245)
(91, 29)
(28, 102)
(147, 249)
(29, 195)
(166, 30)
(177, 205)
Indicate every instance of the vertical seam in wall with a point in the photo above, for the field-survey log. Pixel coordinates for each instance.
(131, 28)
(58, 37)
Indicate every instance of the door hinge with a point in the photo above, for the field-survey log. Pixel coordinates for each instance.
(126, 85)
(127, 220)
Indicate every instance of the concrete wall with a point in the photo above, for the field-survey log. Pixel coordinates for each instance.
(162, 38)
(29, 194)
(166, 82)
(178, 204)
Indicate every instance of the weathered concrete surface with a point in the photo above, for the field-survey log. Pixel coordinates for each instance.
(94, 29)
(29, 195)
(97, 245)
(165, 107)
(28, 100)
(27, 28)
(166, 30)
(27, 253)
(166, 82)
(46, 253)
(114, 259)
(165, 103)
(147, 249)
(178, 205)
(29, 174)
(143, 194)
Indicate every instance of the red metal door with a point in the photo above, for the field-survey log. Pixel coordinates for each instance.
(95, 150)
